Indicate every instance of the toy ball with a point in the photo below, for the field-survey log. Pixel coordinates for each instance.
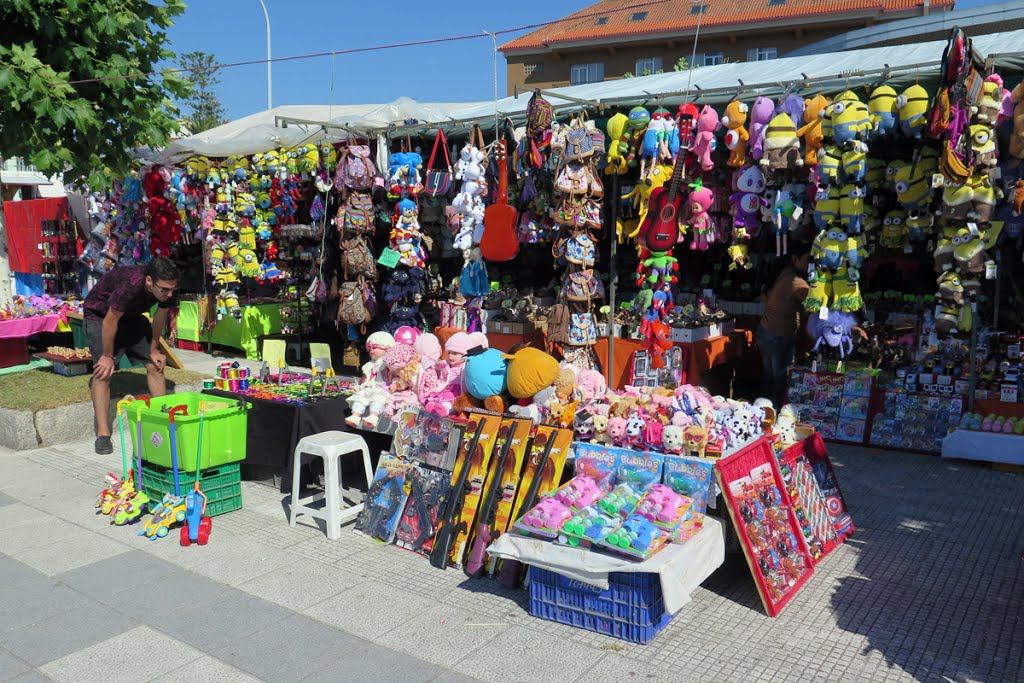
(406, 335)
(529, 371)
(485, 374)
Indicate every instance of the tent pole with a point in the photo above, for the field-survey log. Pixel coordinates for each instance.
(613, 275)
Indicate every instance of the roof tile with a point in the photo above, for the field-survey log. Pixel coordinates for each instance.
(663, 16)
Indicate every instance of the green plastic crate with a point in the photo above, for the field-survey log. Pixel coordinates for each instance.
(224, 431)
(222, 485)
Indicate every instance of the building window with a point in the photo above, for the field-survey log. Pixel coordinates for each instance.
(776, 2)
(638, 16)
(712, 59)
(645, 66)
(700, 9)
(586, 73)
(761, 54)
(601, 21)
(533, 69)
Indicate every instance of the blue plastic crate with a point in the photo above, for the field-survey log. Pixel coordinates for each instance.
(631, 608)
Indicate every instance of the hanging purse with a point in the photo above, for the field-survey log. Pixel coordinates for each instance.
(579, 145)
(439, 181)
(582, 286)
(582, 330)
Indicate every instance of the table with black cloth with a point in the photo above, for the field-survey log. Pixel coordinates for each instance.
(276, 427)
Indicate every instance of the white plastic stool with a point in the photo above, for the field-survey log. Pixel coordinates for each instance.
(330, 447)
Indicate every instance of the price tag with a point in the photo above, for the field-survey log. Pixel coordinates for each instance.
(839, 367)
(823, 313)
(991, 270)
(973, 227)
(388, 258)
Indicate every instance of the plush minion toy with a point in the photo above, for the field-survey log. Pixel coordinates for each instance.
(912, 105)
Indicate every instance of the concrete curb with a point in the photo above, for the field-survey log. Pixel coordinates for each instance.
(22, 430)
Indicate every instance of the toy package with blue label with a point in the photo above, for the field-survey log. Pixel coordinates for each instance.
(386, 498)
(637, 537)
(693, 478)
(641, 470)
(598, 462)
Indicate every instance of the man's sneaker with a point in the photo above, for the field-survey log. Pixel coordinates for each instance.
(103, 445)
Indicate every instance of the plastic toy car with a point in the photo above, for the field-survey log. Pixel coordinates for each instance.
(130, 509)
(197, 526)
(170, 510)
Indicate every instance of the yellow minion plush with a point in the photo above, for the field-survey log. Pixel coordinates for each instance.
(912, 105)
(883, 111)
(328, 156)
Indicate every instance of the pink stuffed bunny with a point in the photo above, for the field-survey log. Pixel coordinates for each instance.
(704, 140)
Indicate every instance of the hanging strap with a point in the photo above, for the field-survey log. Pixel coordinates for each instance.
(476, 137)
(442, 142)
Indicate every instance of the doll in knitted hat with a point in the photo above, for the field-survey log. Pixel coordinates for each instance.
(456, 350)
(403, 364)
(371, 393)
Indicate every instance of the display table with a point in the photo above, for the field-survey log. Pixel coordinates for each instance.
(701, 355)
(985, 446)
(14, 336)
(502, 342)
(681, 566)
(258, 319)
(275, 428)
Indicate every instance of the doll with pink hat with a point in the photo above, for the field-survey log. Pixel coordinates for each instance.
(403, 365)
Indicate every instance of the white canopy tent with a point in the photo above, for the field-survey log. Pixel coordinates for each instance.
(897, 65)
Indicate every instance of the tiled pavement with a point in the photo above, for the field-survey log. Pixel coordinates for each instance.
(929, 588)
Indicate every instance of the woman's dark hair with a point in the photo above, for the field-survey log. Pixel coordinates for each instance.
(163, 268)
(798, 248)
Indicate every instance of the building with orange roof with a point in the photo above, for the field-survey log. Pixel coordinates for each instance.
(613, 39)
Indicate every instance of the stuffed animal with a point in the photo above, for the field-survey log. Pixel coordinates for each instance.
(760, 114)
(912, 105)
(618, 144)
(530, 376)
(883, 112)
(672, 439)
(781, 146)
(700, 200)
(617, 430)
(639, 118)
(747, 200)
(736, 139)
(484, 381)
(850, 121)
(601, 430)
(785, 424)
(1016, 147)
(695, 440)
(811, 131)
(704, 141)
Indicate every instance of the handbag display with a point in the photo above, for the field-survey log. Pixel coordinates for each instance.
(439, 181)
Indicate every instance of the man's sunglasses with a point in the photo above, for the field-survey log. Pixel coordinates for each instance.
(166, 290)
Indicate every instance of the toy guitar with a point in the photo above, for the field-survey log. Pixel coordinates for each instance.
(500, 242)
(660, 229)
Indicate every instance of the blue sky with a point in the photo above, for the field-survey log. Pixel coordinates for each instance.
(234, 30)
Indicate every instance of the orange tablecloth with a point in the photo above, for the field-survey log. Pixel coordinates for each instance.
(702, 355)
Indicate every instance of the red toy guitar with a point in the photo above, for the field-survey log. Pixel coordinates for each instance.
(500, 242)
(660, 229)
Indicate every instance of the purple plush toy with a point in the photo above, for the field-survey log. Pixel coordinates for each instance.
(836, 331)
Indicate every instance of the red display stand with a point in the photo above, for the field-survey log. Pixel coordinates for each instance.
(766, 524)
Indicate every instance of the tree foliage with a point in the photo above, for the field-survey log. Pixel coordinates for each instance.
(681, 65)
(85, 128)
(201, 72)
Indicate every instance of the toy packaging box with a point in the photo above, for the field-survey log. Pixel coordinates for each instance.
(836, 405)
(693, 478)
(915, 421)
(598, 462)
(808, 501)
(825, 476)
(428, 489)
(386, 498)
(510, 478)
(766, 524)
(552, 473)
(479, 461)
(425, 437)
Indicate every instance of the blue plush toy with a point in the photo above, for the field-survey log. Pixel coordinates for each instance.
(484, 374)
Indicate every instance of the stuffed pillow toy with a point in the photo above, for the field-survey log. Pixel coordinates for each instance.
(484, 381)
(529, 371)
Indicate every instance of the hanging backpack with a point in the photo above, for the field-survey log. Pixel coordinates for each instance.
(578, 143)
(355, 170)
(539, 116)
(357, 260)
(352, 308)
(357, 214)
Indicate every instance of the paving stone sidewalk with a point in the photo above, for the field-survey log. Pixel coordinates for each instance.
(928, 589)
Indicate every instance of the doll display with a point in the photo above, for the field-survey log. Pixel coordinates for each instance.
(368, 402)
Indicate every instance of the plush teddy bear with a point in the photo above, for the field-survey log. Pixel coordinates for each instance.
(704, 141)
(811, 132)
(737, 138)
(672, 439)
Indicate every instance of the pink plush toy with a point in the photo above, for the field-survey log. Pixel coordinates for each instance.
(760, 114)
(653, 432)
(700, 201)
(704, 140)
(617, 430)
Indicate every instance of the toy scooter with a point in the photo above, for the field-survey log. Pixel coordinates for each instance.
(197, 525)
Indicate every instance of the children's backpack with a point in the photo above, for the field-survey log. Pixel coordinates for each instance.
(357, 259)
(539, 116)
(357, 214)
(578, 143)
(355, 170)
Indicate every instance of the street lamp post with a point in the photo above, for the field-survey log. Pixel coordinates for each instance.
(267, 18)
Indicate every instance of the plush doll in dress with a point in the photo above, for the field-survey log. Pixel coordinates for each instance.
(700, 200)
(371, 394)
(736, 139)
(704, 141)
(403, 366)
